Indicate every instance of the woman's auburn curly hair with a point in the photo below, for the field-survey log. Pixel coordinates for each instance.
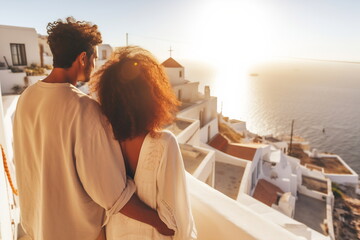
(134, 93)
(67, 39)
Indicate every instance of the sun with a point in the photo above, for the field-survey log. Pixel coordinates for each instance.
(232, 36)
(229, 32)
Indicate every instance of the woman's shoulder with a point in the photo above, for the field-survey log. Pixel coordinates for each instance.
(166, 135)
(164, 138)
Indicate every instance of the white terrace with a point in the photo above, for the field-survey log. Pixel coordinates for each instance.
(229, 188)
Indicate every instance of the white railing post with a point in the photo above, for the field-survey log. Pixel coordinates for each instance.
(5, 216)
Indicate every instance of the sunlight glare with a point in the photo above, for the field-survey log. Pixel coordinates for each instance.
(232, 36)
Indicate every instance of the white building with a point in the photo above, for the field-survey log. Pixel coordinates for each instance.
(21, 47)
(104, 53)
(174, 71)
(194, 104)
(273, 181)
(217, 216)
(46, 57)
(18, 46)
(267, 185)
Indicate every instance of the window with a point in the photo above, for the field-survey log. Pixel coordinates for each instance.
(180, 73)
(104, 55)
(179, 94)
(253, 180)
(209, 132)
(258, 169)
(201, 117)
(18, 54)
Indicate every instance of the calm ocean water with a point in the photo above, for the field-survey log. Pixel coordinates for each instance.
(322, 98)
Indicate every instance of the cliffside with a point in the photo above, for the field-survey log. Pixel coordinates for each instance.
(346, 214)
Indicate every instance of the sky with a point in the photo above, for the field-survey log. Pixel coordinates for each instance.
(226, 34)
(296, 28)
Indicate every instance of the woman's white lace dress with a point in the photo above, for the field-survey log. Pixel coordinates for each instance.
(161, 184)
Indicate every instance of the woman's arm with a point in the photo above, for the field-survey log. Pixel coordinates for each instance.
(137, 209)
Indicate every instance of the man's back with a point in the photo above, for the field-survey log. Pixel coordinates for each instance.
(69, 168)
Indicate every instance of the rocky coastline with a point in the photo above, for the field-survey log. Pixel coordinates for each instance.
(346, 213)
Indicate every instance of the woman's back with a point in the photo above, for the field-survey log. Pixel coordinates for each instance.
(137, 98)
(160, 181)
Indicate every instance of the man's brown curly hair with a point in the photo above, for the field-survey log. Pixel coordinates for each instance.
(134, 93)
(67, 39)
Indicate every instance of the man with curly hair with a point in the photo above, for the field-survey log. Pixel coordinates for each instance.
(70, 170)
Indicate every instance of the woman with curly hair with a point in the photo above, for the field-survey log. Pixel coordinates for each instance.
(136, 97)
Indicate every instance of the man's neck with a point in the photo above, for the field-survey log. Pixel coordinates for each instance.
(61, 75)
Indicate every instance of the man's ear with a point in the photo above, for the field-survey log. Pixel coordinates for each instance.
(82, 58)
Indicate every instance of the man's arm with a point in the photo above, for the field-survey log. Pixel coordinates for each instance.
(138, 210)
(101, 169)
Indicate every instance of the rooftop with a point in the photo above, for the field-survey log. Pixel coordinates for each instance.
(17, 27)
(331, 165)
(228, 178)
(267, 192)
(243, 151)
(185, 105)
(178, 126)
(192, 157)
(171, 63)
(230, 133)
(236, 121)
(311, 212)
(240, 151)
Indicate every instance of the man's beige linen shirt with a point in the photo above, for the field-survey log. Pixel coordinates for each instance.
(70, 170)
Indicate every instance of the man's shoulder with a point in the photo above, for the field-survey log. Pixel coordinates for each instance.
(91, 114)
(90, 109)
(87, 103)
(77, 97)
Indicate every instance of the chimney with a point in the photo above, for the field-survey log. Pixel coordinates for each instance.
(207, 92)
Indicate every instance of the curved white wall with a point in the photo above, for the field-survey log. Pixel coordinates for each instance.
(218, 217)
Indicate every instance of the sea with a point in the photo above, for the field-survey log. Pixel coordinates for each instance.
(322, 97)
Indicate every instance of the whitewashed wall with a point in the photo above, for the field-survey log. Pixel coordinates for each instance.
(226, 158)
(20, 35)
(8, 80)
(245, 185)
(104, 51)
(293, 184)
(206, 168)
(191, 134)
(187, 92)
(279, 219)
(48, 60)
(344, 179)
(174, 75)
(46, 55)
(219, 217)
(220, 156)
(209, 130)
(207, 106)
(238, 126)
(352, 178)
